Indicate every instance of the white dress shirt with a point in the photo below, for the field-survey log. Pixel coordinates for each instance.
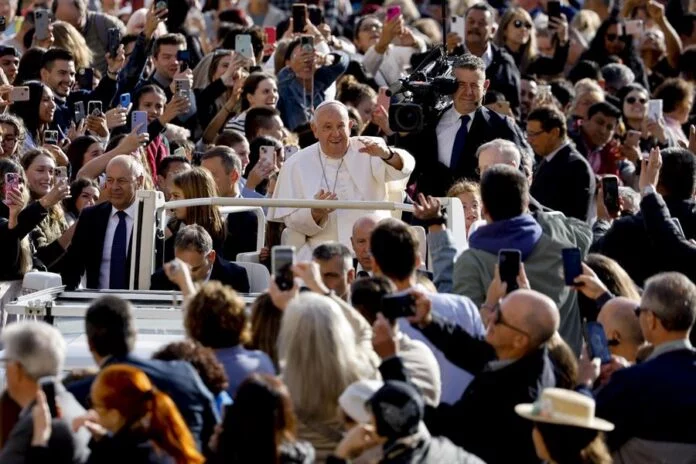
(447, 131)
(105, 268)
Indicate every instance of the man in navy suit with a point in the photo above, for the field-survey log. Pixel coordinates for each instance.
(564, 180)
(101, 244)
(653, 404)
(111, 332)
(194, 247)
(458, 132)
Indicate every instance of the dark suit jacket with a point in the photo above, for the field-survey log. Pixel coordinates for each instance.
(433, 177)
(242, 228)
(87, 246)
(224, 271)
(565, 184)
(179, 380)
(490, 398)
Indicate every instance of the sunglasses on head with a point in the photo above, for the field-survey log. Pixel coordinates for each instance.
(518, 23)
(632, 100)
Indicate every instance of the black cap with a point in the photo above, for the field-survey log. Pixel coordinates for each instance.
(8, 50)
(398, 408)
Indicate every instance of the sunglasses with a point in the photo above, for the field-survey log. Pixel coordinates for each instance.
(632, 100)
(615, 37)
(498, 320)
(519, 23)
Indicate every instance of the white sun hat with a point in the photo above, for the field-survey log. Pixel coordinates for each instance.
(564, 407)
(354, 397)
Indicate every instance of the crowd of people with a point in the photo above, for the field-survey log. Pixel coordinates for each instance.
(568, 128)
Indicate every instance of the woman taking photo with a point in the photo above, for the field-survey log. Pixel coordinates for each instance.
(37, 114)
(634, 108)
(131, 421)
(52, 236)
(269, 169)
(260, 89)
(260, 426)
(83, 194)
(17, 220)
(81, 151)
(13, 135)
(212, 83)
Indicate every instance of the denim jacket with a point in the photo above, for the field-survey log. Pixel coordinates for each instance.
(294, 106)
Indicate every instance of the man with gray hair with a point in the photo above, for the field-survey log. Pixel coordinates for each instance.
(652, 403)
(336, 266)
(35, 350)
(100, 246)
(616, 76)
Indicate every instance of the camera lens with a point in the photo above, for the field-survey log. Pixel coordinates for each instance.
(407, 117)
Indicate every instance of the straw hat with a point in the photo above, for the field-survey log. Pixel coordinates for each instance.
(564, 407)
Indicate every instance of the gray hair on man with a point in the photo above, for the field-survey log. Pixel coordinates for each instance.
(617, 75)
(331, 250)
(194, 238)
(131, 163)
(671, 296)
(505, 148)
(37, 346)
(342, 108)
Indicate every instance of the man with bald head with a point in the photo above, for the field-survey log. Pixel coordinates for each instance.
(337, 167)
(621, 328)
(362, 230)
(101, 244)
(511, 364)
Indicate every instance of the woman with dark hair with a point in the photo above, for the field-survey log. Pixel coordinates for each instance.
(13, 135)
(81, 151)
(29, 66)
(613, 276)
(37, 114)
(607, 43)
(83, 194)
(178, 10)
(255, 156)
(260, 426)
(566, 430)
(634, 108)
(260, 89)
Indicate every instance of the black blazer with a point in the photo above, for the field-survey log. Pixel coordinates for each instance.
(242, 228)
(224, 271)
(566, 184)
(87, 246)
(433, 177)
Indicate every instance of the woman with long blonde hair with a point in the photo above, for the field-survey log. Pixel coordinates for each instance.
(67, 37)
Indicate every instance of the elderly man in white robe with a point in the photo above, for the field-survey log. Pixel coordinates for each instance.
(338, 167)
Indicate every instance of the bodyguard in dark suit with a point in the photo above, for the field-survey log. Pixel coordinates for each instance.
(194, 247)
(101, 244)
(446, 149)
(564, 180)
(653, 404)
(110, 330)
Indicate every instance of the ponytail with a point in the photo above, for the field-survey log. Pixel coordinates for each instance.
(169, 431)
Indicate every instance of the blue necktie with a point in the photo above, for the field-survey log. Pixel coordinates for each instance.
(117, 272)
(459, 141)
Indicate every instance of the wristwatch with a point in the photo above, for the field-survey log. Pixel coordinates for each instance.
(440, 220)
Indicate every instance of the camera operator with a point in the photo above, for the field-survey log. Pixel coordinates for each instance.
(459, 131)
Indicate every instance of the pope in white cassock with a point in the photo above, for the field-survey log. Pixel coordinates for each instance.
(338, 167)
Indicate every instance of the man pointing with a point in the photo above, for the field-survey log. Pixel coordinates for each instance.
(337, 168)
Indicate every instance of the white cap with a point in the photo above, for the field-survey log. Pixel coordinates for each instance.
(353, 399)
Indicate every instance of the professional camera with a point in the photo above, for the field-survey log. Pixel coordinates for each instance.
(425, 92)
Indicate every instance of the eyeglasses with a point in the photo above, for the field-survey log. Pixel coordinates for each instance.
(534, 134)
(498, 320)
(370, 27)
(632, 100)
(519, 23)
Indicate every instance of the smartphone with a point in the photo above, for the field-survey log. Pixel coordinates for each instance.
(282, 260)
(610, 185)
(307, 43)
(398, 305)
(61, 174)
(316, 16)
(161, 5)
(654, 110)
(94, 108)
(48, 386)
(597, 342)
(270, 35)
(634, 27)
(509, 267)
(242, 45)
(79, 112)
(384, 98)
(139, 121)
(12, 181)
(632, 138)
(572, 264)
(3, 24)
(267, 153)
(299, 17)
(19, 94)
(393, 12)
(113, 41)
(183, 57)
(85, 78)
(457, 26)
(51, 137)
(553, 8)
(125, 100)
(182, 87)
(41, 22)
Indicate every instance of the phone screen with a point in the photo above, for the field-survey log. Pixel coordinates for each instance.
(396, 306)
(509, 267)
(610, 185)
(316, 17)
(554, 8)
(299, 17)
(113, 41)
(282, 260)
(49, 388)
(183, 57)
(572, 264)
(597, 342)
(85, 78)
(94, 108)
